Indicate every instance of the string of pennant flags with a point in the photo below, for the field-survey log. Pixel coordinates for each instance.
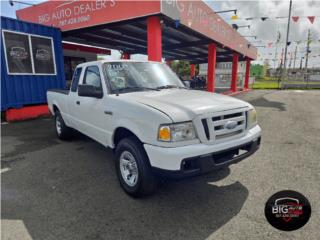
(275, 59)
(271, 44)
(291, 55)
(294, 18)
(312, 51)
(278, 59)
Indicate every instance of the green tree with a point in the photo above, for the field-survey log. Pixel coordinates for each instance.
(182, 68)
(257, 70)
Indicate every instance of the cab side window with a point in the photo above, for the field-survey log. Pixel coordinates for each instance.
(75, 79)
(92, 77)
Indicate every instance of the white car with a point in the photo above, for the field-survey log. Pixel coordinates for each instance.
(156, 126)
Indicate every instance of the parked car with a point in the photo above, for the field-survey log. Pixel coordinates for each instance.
(156, 126)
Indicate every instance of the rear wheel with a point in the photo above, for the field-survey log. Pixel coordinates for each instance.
(63, 132)
(133, 168)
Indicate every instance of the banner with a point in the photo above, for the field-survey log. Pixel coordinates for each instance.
(42, 55)
(74, 14)
(17, 52)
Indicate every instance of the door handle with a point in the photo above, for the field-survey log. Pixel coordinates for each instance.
(108, 112)
(78, 102)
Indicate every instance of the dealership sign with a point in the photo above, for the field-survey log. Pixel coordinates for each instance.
(74, 14)
(197, 15)
(200, 17)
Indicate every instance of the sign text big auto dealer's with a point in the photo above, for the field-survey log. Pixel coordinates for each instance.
(67, 14)
(74, 14)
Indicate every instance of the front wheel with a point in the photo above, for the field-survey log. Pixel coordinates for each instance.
(133, 168)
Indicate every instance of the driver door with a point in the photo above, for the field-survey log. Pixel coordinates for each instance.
(93, 121)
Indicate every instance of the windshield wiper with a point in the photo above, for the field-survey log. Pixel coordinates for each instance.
(135, 88)
(170, 86)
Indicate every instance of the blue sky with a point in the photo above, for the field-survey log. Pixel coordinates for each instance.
(10, 11)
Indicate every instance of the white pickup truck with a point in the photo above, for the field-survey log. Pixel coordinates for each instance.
(156, 126)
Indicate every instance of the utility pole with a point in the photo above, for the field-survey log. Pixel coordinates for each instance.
(276, 52)
(275, 57)
(307, 57)
(290, 57)
(308, 49)
(287, 38)
(281, 59)
(295, 56)
(301, 62)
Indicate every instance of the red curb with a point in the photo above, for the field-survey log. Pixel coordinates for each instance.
(229, 93)
(27, 113)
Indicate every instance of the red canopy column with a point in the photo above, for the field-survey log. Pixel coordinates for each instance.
(125, 56)
(246, 80)
(234, 77)
(154, 39)
(192, 70)
(211, 72)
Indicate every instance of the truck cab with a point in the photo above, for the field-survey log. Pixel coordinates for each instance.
(156, 126)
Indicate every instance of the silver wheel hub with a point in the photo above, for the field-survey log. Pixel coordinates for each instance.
(58, 125)
(128, 168)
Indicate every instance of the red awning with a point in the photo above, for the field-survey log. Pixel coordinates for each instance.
(188, 26)
(84, 48)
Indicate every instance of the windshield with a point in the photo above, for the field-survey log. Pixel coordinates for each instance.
(140, 76)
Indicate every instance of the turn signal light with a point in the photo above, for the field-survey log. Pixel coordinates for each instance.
(164, 133)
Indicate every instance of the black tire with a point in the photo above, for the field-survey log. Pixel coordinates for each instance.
(146, 182)
(65, 133)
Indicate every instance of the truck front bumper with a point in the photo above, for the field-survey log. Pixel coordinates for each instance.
(195, 159)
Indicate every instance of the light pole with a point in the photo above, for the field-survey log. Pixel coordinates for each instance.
(287, 38)
(301, 62)
(11, 2)
(253, 36)
(307, 58)
(236, 26)
(295, 56)
(231, 10)
(308, 50)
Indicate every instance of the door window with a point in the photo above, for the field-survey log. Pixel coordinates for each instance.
(75, 79)
(92, 77)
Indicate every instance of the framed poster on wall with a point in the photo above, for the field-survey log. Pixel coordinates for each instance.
(17, 51)
(28, 54)
(43, 55)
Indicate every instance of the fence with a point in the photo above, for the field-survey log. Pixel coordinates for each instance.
(299, 80)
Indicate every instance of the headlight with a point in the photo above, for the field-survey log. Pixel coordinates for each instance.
(176, 132)
(252, 118)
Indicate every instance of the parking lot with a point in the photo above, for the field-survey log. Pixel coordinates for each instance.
(69, 190)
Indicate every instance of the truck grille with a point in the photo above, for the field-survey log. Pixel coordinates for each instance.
(224, 125)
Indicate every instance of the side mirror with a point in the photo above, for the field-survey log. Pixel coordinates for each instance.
(90, 91)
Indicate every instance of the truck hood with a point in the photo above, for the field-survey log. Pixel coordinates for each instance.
(184, 105)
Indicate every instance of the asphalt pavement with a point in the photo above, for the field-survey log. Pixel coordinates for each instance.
(69, 190)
